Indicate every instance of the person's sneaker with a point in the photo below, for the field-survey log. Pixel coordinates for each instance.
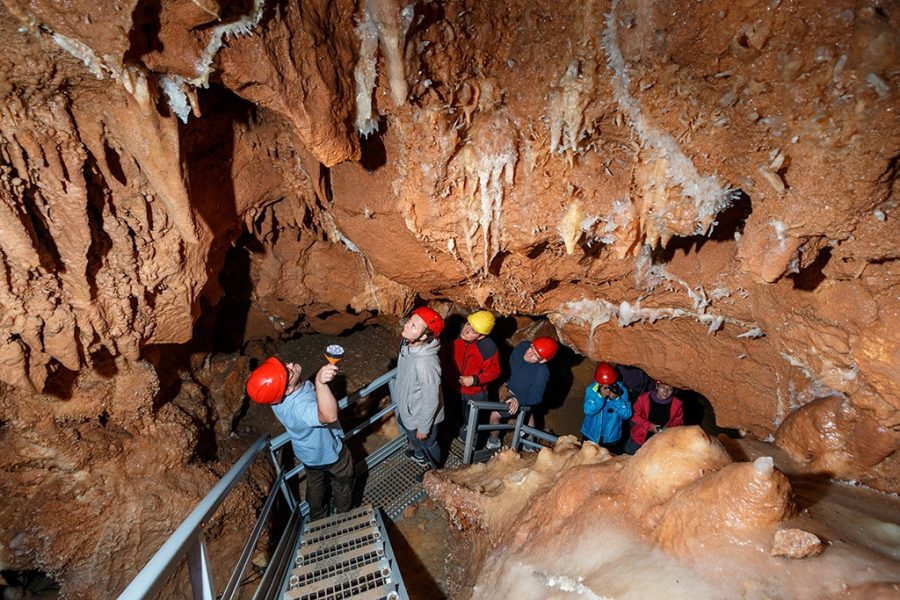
(409, 453)
(419, 460)
(492, 443)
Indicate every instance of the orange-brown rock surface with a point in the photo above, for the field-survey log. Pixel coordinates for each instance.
(704, 190)
(702, 525)
(94, 482)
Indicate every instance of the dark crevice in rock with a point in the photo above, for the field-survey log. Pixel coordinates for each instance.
(101, 243)
(809, 277)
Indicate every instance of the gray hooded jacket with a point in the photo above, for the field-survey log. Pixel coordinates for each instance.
(418, 386)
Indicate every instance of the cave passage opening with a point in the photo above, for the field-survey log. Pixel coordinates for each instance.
(563, 413)
(31, 583)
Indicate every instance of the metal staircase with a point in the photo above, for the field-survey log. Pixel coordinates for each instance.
(344, 556)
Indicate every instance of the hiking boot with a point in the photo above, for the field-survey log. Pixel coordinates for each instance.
(492, 444)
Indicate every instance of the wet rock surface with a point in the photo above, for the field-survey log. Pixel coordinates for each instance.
(707, 192)
(706, 535)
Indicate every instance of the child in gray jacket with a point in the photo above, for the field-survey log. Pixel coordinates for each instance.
(418, 386)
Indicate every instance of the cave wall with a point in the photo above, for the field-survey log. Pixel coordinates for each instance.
(706, 190)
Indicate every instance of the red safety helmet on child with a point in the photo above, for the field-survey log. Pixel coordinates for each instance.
(605, 374)
(545, 347)
(267, 382)
(433, 320)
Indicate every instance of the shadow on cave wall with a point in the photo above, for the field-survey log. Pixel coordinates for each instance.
(729, 222)
(808, 278)
(207, 147)
(373, 153)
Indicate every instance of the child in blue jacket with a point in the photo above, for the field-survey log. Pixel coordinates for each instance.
(606, 406)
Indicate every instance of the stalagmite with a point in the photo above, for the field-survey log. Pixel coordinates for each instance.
(755, 499)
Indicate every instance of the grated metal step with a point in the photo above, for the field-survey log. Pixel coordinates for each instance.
(345, 556)
(393, 484)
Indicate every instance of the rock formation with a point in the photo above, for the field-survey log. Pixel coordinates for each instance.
(575, 519)
(705, 191)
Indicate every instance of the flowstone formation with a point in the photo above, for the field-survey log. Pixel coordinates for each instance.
(574, 520)
(704, 190)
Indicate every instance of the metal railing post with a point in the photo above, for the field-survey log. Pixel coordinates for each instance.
(198, 565)
(270, 583)
(470, 433)
(520, 418)
(238, 572)
(285, 490)
(391, 391)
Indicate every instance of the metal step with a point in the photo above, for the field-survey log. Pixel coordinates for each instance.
(327, 567)
(341, 528)
(348, 584)
(314, 526)
(393, 485)
(345, 556)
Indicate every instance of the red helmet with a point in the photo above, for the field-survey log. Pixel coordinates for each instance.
(605, 374)
(266, 384)
(545, 347)
(433, 320)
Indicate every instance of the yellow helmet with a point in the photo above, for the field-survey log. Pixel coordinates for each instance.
(481, 321)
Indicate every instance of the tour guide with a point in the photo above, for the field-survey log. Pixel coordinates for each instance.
(310, 415)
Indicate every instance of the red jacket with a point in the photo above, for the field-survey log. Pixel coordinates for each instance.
(640, 420)
(479, 358)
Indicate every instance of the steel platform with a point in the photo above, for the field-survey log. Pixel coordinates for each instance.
(393, 484)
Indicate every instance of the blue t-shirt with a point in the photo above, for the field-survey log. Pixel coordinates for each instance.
(527, 381)
(315, 444)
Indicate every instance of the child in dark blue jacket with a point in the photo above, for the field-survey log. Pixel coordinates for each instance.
(527, 381)
(606, 406)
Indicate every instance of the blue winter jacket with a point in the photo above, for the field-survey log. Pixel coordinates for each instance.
(603, 417)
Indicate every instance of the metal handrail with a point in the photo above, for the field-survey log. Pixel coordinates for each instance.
(188, 539)
(154, 573)
(476, 406)
(238, 572)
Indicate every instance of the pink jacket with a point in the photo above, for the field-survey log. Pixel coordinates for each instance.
(640, 420)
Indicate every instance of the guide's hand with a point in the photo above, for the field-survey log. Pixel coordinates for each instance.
(326, 374)
(513, 405)
(421, 436)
